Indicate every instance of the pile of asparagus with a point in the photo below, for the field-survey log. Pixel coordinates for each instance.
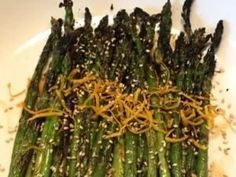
(61, 134)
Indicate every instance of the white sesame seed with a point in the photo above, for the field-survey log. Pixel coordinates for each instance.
(174, 164)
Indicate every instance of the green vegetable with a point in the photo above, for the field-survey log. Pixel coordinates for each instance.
(209, 65)
(27, 133)
(67, 129)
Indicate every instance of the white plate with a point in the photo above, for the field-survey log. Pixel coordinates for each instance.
(25, 25)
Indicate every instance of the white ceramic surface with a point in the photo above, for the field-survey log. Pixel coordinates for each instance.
(24, 26)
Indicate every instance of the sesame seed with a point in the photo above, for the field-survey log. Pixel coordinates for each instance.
(139, 171)
(100, 142)
(53, 168)
(175, 126)
(51, 140)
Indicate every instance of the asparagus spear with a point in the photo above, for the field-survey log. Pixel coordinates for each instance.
(163, 54)
(58, 166)
(118, 158)
(187, 58)
(136, 77)
(160, 141)
(51, 125)
(122, 73)
(77, 162)
(178, 67)
(196, 43)
(186, 16)
(165, 32)
(116, 72)
(23, 138)
(44, 156)
(130, 168)
(176, 150)
(209, 65)
(142, 155)
(104, 39)
(144, 44)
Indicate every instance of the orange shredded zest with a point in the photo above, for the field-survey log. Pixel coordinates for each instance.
(186, 120)
(41, 85)
(171, 104)
(174, 140)
(34, 148)
(40, 111)
(198, 145)
(45, 114)
(20, 104)
(73, 73)
(133, 112)
(190, 98)
(60, 97)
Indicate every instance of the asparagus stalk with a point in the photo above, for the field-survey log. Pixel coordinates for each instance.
(118, 158)
(142, 156)
(196, 43)
(144, 44)
(163, 54)
(77, 151)
(137, 78)
(183, 54)
(186, 10)
(209, 65)
(187, 58)
(58, 166)
(160, 140)
(178, 151)
(130, 168)
(21, 157)
(105, 40)
(122, 24)
(44, 156)
(113, 73)
(119, 59)
(176, 148)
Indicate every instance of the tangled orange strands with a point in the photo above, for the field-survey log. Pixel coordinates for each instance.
(133, 112)
(174, 140)
(40, 111)
(190, 98)
(173, 104)
(63, 103)
(187, 120)
(73, 73)
(197, 144)
(45, 114)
